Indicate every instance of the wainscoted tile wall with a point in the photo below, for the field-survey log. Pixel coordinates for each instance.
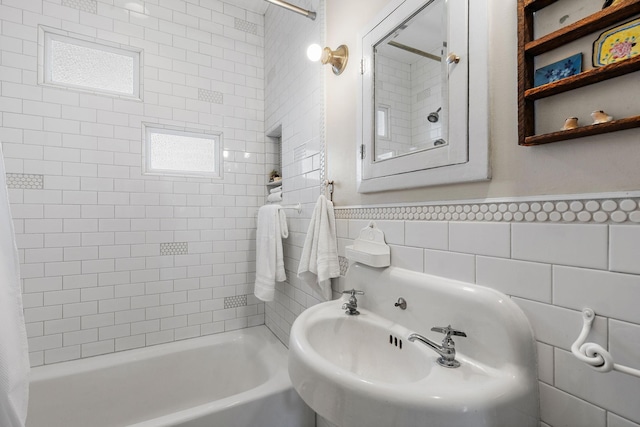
(551, 269)
(113, 259)
(294, 101)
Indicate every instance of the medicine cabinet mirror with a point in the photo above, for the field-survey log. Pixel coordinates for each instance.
(423, 116)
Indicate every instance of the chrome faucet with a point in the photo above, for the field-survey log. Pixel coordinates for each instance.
(447, 350)
(352, 305)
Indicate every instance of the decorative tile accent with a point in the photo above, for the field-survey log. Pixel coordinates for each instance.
(174, 248)
(246, 26)
(323, 176)
(22, 181)
(89, 6)
(344, 265)
(210, 96)
(236, 301)
(563, 211)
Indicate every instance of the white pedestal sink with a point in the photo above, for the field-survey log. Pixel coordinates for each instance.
(362, 371)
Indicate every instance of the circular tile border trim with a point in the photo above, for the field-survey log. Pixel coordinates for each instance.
(596, 211)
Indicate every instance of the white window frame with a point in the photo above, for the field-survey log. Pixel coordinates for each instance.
(46, 35)
(215, 137)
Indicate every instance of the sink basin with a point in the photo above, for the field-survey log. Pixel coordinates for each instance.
(362, 371)
(364, 345)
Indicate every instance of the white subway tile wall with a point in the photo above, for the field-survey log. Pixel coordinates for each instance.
(294, 101)
(394, 91)
(112, 259)
(551, 271)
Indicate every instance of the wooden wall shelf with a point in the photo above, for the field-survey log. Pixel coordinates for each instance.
(529, 48)
(613, 126)
(535, 5)
(586, 78)
(598, 21)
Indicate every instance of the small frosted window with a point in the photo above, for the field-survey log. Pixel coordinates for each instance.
(173, 152)
(382, 121)
(91, 66)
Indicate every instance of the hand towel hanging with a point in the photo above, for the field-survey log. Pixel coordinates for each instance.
(272, 228)
(319, 260)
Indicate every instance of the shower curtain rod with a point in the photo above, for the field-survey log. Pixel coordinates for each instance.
(308, 13)
(414, 50)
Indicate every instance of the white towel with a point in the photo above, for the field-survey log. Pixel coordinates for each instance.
(272, 228)
(275, 197)
(276, 190)
(319, 260)
(14, 353)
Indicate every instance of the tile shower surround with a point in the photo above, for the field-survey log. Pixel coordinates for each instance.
(112, 259)
(294, 100)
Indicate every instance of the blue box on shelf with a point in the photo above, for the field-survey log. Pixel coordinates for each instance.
(558, 70)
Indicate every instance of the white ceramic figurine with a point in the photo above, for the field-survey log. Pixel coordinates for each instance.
(600, 116)
(570, 123)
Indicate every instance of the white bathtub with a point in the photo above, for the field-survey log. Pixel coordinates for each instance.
(235, 379)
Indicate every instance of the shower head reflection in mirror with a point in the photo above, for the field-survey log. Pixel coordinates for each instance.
(434, 116)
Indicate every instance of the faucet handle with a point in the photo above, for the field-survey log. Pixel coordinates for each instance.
(353, 292)
(448, 331)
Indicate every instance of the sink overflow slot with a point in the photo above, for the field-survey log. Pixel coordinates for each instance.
(395, 341)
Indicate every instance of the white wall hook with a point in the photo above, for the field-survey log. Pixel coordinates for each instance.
(594, 354)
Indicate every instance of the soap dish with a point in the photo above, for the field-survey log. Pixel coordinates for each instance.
(370, 248)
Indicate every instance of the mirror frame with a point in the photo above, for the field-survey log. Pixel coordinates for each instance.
(477, 168)
(455, 106)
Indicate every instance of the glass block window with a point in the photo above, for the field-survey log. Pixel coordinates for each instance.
(177, 152)
(82, 64)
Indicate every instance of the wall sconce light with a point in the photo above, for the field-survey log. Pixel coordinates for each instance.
(337, 58)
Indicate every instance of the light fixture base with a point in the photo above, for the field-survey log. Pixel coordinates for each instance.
(337, 58)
